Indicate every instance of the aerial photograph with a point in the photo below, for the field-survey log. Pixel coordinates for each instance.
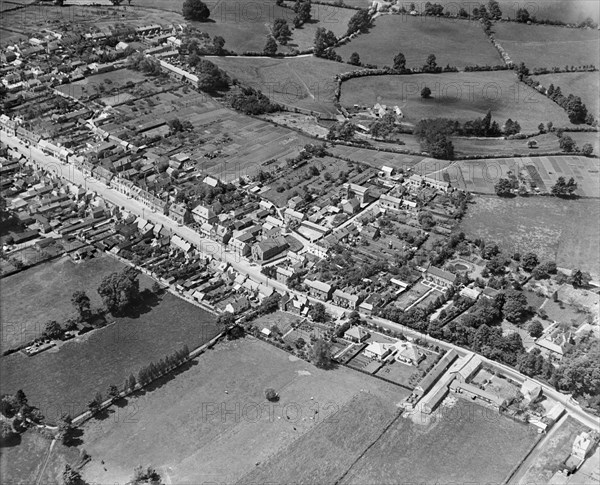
(299, 242)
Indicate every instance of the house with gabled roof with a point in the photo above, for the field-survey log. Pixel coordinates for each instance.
(439, 277)
(319, 290)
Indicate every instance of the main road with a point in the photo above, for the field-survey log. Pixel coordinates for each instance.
(218, 251)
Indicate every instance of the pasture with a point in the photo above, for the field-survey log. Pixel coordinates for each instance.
(303, 82)
(548, 46)
(218, 407)
(66, 377)
(465, 444)
(462, 96)
(583, 84)
(564, 231)
(37, 295)
(456, 42)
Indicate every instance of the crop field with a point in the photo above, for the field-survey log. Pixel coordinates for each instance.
(303, 82)
(218, 407)
(470, 445)
(480, 176)
(583, 84)
(459, 43)
(463, 96)
(377, 159)
(555, 229)
(65, 378)
(50, 286)
(549, 46)
(325, 453)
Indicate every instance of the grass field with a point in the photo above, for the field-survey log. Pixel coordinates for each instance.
(21, 464)
(548, 46)
(328, 450)
(462, 96)
(468, 444)
(50, 286)
(214, 426)
(562, 231)
(455, 42)
(305, 82)
(582, 84)
(109, 80)
(64, 379)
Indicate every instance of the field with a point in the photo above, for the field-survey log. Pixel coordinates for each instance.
(218, 408)
(562, 231)
(304, 82)
(245, 25)
(456, 42)
(548, 46)
(468, 444)
(64, 379)
(582, 84)
(480, 176)
(463, 96)
(50, 286)
(21, 463)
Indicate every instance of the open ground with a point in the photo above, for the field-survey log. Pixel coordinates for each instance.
(43, 293)
(65, 378)
(548, 46)
(218, 407)
(463, 96)
(583, 84)
(465, 444)
(463, 44)
(555, 229)
(305, 82)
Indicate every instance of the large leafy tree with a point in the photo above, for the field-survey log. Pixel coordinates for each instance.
(81, 302)
(120, 290)
(320, 354)
(195, 10)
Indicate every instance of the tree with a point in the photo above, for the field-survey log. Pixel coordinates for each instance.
(504, 188)
(195, 10)
(494, 9)
(318, 312)
(131, 382)
(354, 59)
(564, 189)
(116, 2)
(281, 31)
(399, 62)
(81, 302)
(511, 127)
(71, 476)
(541, 128)
(324, 39)
(579, 279)
(430, 64)
(218, 45)
(271, 395)
(320, 354)
(567, 144)
(425, 93)
(6, 431)
(145, 476)
(535, 329)
(576, 110)
(515, 307)
(523, 15)
(226, 319)
(210, 77)
(65, 429)
(113, 392)
(94, 404)
(270, 47)
(53, 330)
(120, 290)
(587, 149)
(302, 8)
(529, 261)
(360, 22)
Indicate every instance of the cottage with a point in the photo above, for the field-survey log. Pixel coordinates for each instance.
(351, 206)
(237, 306)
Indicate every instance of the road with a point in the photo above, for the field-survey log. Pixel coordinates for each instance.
(215, 249)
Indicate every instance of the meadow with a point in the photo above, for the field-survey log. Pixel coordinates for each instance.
(462, 96)
(465, 444)
(548, 46)
(218, 407)
(555, 229)
(304, 82)
(456, 42)
(37, 295)
(66, 378)
(583, 84)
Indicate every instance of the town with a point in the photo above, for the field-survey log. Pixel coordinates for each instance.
(176, 247)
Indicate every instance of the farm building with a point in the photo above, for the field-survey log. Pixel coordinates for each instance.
(434, 374)
(475, 394)
(465, 368)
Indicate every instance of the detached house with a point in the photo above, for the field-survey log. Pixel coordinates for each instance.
(316, 289)
(356, 334)
(378, 350)
(345, 300)
(439, 277)
(265, 250)
(204, 214)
